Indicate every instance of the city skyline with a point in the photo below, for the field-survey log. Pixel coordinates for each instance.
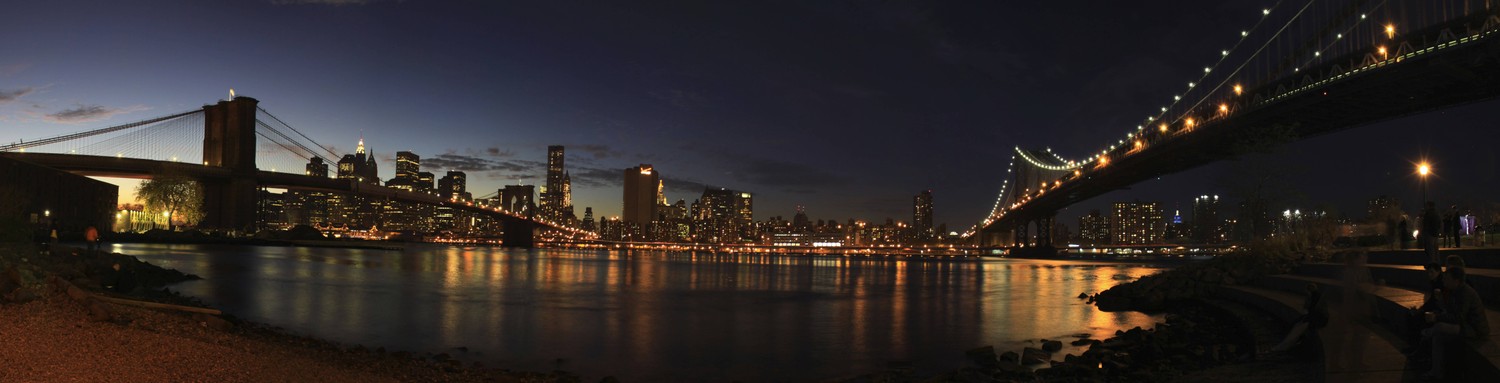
(488, 89)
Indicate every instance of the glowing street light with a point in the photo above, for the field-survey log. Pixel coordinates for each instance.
(1390, 31)
(1423, 169)
(1238, 89)
(1382, 53)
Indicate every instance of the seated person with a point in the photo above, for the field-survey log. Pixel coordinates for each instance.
(1461, 318)
(1314, 316)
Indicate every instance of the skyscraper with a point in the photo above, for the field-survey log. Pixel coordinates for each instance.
(454, 186)
(1093, 228)
(724, 216)
(921, 220)
(1205, 223)
(1136, 223)
(640, 195)
(553, 192)
(407, 165)
(588, 219)
(317, 168)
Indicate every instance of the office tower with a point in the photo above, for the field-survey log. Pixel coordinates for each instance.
(921, 220)
(553, 193)
(1205, 220)
(1136, 223)
(425, 182)
(723, 216)
(407, 165)
(588, 219)
(640, 195)
(316, 167)
(454, 186)
(1093, 228)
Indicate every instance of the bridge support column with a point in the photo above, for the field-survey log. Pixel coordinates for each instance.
(229, 142)
(1022, 238)
(1044, 229)
(519, 233)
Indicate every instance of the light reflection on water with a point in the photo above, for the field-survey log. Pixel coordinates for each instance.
(655, 316)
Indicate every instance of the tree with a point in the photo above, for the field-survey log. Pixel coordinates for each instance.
(177, 197)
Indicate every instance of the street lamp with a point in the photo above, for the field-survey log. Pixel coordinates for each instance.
(1423, 169)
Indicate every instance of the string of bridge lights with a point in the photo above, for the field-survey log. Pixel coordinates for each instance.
(1102, 158)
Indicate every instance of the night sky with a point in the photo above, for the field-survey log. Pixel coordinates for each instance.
(847, 108)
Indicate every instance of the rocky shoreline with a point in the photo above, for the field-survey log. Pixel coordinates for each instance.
(53, 304)
(1196, 342)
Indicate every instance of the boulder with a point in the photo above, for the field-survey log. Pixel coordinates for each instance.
(1051, 345)
(1010, 357)
(1031, 356)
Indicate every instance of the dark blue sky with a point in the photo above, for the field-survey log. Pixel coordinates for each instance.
(848, 108)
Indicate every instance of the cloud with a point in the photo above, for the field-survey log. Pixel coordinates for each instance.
(495, 151)
(597, 177)
(685, 185)
(88, 113)
(464, 163)
(7, 96)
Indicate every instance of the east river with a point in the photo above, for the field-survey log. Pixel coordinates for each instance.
(656, 316)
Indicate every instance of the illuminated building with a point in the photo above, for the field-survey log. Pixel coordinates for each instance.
(425, 181)
(557, 194)
(1205, 223)
(407, 165)
(640, 195)
(454, 186)
(1093, 228)
(724, 216)
(922, 215)
(1136, 223)
(588, 219)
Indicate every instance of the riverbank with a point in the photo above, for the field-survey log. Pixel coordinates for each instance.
(71, 336)
(1195, 343)
(1201, 338)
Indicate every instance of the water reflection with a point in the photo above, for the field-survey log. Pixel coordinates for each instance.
(655, 316)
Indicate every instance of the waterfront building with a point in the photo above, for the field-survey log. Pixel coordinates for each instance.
(408, 164)
(424, 184)
(1136, 223)
(588, 219)
(454, 186)
(1093, 228)
(640, 195)
(922, 216)
(1205, 223)
(724, 216)
(557, 193)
